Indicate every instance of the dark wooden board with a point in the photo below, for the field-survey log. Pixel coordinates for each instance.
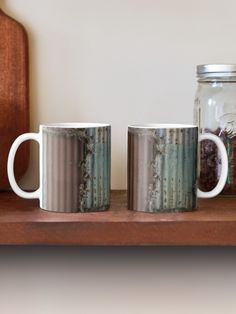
(14, 94)
(23, 222)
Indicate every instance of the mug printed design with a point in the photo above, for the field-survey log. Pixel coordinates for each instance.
(76, 169)
(162, 167)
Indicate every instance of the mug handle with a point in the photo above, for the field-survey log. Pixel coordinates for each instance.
(224, 169)
(10, 165)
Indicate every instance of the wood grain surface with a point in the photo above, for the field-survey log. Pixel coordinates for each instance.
(23, 222)
(14, 94)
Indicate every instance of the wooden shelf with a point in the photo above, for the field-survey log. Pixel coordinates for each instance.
(23, 222)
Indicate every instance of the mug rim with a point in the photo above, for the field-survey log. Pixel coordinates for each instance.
(75, 125)
(161, 126)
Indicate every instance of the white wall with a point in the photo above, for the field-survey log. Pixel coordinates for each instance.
(119, 62)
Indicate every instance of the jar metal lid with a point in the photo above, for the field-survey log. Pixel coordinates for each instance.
(216, 70)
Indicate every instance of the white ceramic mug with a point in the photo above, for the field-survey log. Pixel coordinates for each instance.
(162, 167)
(74, 166)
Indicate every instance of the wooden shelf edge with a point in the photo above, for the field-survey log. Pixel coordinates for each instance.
(173, 234)
(23, 223)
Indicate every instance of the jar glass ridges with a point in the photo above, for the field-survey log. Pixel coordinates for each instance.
(215, 112)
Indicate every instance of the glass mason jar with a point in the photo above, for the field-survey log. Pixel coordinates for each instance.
(215, 112)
